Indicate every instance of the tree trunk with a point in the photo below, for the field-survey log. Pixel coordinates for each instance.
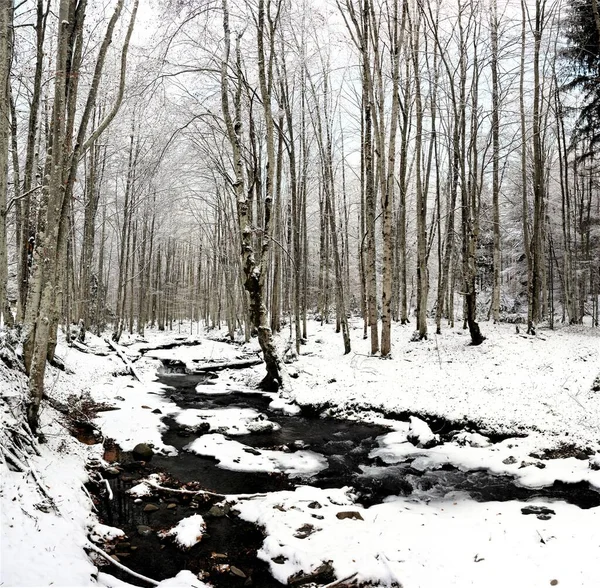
(254, 273)
(6, 46)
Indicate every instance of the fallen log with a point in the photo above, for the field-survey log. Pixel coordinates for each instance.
(165, 346)
(125, 360)
(218, 366)
(85, 349)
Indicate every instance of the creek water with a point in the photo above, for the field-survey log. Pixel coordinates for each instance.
(227, 553)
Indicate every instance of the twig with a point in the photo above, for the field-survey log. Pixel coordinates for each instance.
(86, 492)
(105, 555)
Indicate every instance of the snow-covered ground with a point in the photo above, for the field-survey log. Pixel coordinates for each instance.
(539, 388)
(512, 383)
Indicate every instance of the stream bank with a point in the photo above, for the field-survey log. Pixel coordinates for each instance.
(227, 553)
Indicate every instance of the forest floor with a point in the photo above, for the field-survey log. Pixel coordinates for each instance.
(517, 407)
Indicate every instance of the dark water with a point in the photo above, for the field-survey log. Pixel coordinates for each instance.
(231, 542)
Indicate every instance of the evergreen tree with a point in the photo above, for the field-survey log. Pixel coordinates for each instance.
(582, 32)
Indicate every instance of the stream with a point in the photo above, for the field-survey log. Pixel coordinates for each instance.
(227, 552)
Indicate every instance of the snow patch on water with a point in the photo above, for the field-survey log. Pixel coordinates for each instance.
(236, 456)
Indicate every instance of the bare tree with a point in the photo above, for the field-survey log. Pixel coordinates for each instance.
(46, 288)
(254, 269)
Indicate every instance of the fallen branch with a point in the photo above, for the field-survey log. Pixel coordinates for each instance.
(125, 360)
(207, 492)
(106, 556)
(340, 582)
(181, 490)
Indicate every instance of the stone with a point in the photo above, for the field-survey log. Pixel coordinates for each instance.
(537, 510)
(218, 510)
(314, 504)
(510, 460)
(144, 530)
(595, 463)
(171, 505)
(157, 411)
(349, 514)
(305, 531)
(251, 450)
(124, 546)
(219, 556)
(142, 452)
(320, 575)
(280, 559)
(237, 572)
(151, 508)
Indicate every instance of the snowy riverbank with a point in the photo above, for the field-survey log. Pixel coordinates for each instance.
(538, 388)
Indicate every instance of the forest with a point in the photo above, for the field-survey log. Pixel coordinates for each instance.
(339, 197)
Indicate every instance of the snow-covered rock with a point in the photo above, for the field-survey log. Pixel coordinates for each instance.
(472, 439)
(187, 532)
(420, 434)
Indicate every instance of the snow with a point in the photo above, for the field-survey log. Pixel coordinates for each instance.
(511, 457)
(188, 531)
(420, 434)
(230, 421)
(134, 421)
(38, 539)
(184, 579)
(454, 543)
(43, 540)
(100, 532)
(284, 406)
(534, 392)
(510, 384)
(233, 455)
